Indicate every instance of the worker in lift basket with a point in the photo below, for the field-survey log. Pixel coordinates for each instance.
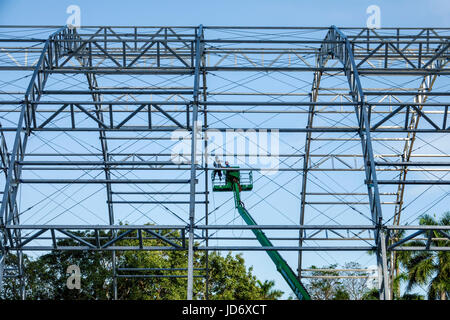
(217, 164)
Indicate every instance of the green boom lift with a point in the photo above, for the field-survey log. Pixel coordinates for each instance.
(237, 182)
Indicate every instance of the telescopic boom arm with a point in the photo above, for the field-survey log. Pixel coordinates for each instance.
(280, 263)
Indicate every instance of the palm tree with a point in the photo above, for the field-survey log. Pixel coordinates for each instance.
(430, 268)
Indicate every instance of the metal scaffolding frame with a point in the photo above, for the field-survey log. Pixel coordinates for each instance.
(371, 97)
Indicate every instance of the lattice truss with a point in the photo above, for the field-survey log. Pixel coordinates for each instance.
(90, 119)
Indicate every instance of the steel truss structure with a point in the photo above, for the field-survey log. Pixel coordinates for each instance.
(88, 119)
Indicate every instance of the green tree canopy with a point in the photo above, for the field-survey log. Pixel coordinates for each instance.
(326, 286)
(45, 276)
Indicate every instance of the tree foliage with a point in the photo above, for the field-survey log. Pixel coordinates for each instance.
(428, 268)
(45, 276)
(329, 288)
(358, 284)
(336, 284)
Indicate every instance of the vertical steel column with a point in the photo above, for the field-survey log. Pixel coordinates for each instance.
(306, 158)
(426, 86)
(194, 130)
(337, 45)
(205, 126)
(3, 240)
(8, 210)
(92, 79)
(2, 262)
(96, 97)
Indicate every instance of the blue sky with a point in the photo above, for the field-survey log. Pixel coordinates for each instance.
(352, 13)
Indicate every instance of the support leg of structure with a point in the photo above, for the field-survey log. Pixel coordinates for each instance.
(425, 86)
(9, 214)
(337, 44)
(2, 267)
(92, 81)
(383, 276)
(205, 127)
(306, 160)
(194, 132)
